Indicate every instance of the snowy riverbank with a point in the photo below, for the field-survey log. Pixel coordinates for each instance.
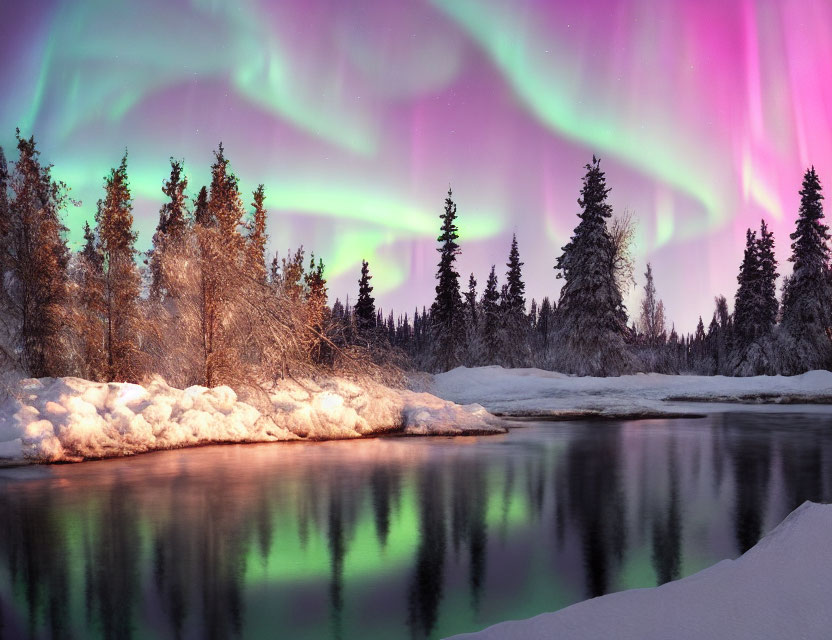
(778, 589)
(69, 419)
(538, 393)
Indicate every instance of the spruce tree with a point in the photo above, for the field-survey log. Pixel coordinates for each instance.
(719, 339)
(755, 307)
(471, 300)
(697, 348)
(473, 352)
(121, 277)
(92, 308)
(256, 240)
(447, 312)
(218, 223)
(171, 229)
(318, 312)
(747, 304)
(545, 324)
(490, 318)
(365, 306)
(515, 288)
(592, 320)
(35, 261)
(768, 278)
(514, 350)
(202, 215)
(806, 303)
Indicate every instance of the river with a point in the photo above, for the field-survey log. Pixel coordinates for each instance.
(392, 537)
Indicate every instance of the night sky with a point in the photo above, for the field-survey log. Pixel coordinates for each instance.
(358, 115)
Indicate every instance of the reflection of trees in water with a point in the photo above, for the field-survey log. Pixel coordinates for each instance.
(336, 553)
(172, 552)
(385, 486)
(750, 452)
(667, 523)
(469, 501)
(33, 539)
(116, 564)
(596, 502)
(803, 468)
(428, 572)
(167, 555)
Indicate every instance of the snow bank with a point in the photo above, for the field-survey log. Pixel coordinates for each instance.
(779, 589)
(70, 419)
(534, 392)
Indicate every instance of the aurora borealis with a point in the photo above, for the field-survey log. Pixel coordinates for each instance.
(358, 115)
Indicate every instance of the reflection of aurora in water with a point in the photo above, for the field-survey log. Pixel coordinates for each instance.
(356, 116)
(388, 538)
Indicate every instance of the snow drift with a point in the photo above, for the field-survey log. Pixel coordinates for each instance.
(70, 419)
(534, 392)
(778, 589)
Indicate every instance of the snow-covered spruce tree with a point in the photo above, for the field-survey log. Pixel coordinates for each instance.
(257, 238)
(222, 249)
(171, 229)
(365, 306)
(447, 312)
(514, 350)
(544, 330)
(319, 313)
(122, 282)
(471, 300)
(806, 301)
(719, 340)
(755, 307)
(474, 350)
(91, 309)
(490, 320)
(698, 355)
(34, 261)
(748, 300)
(592, 318)
(768, 278)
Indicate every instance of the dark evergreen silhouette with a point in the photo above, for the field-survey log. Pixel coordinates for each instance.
(490, 318)
(806, 299)
(747, 304)
(515, 299)
(514, 347)
(365, 307)
(591, 311)
(471, 300)
(447, 312)
(768, 278)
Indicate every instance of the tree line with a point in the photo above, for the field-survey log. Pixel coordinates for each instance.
(204, 305)
(588, 331)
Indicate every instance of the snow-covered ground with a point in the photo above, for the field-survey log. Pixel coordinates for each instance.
(778, 589)
(69, 419)
(534, 392)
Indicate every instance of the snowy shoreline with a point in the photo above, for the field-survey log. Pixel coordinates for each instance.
(777, 589)
(535, 393)
(70, 419)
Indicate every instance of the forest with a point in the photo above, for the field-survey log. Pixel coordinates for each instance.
(204, 305)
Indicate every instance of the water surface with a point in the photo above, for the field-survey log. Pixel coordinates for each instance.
(392, 537)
